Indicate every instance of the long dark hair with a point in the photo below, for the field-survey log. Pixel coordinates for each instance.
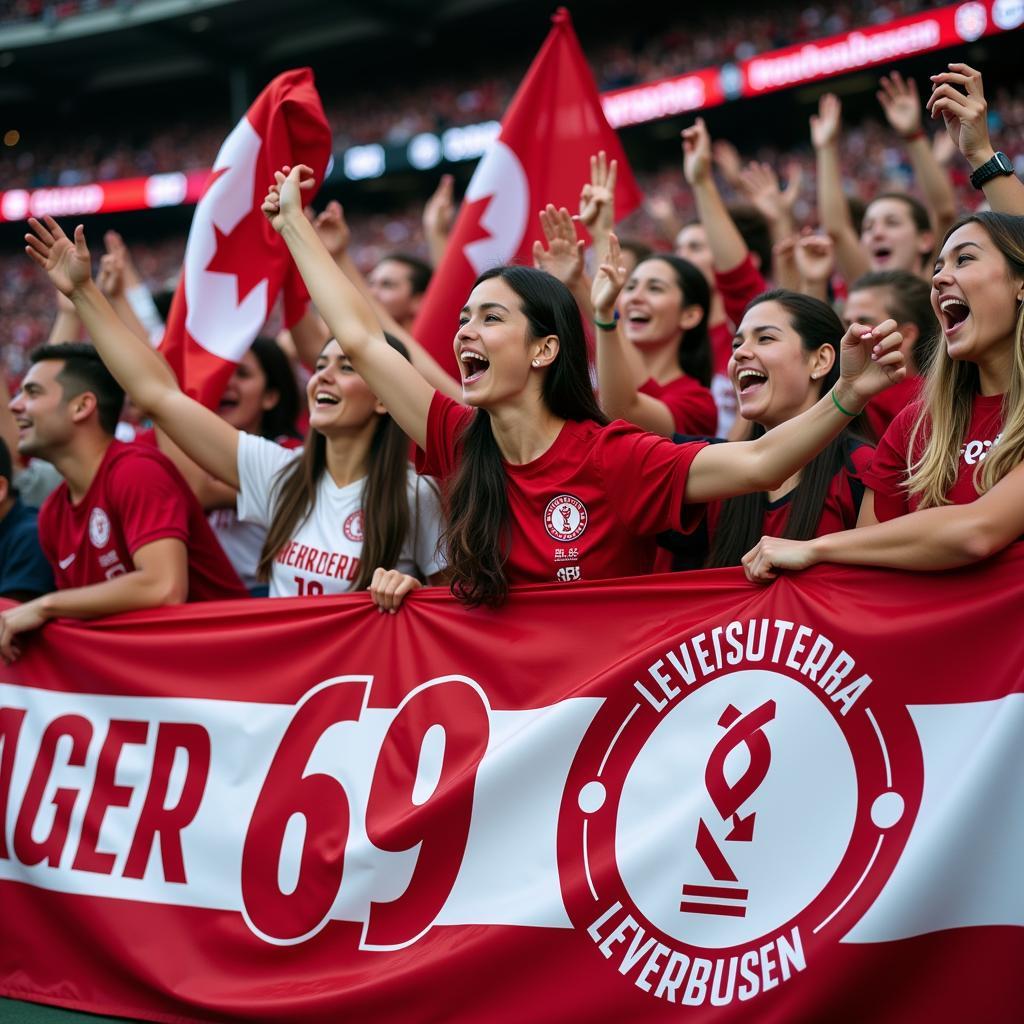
(278, 421)
(385, 504)
(741, 520)
(695, 345)
(476, 541)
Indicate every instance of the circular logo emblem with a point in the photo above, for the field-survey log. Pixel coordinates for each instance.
(971, 21)
(353, 527)
(743, 819)
(565, 518)
(99, 528)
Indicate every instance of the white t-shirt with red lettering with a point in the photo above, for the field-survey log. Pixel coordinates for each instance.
(323, 555)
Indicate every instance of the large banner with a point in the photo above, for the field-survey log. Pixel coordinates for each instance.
(678, 798)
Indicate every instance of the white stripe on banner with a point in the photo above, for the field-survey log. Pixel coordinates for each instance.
(963, 861)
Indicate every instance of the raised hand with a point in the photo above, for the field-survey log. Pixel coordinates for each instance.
(815, 257)
(608, 281)
(284, 198)
(563, 257)
(727, 160)
(597, 198)
(439, 211)
(696, 152)
(110, 279)
(825, 124)
(66, 263)
(770, 554)
(760, 184)
(333, 229)
(963, 110)
(870, 360)
(900, 103)
(115, 246)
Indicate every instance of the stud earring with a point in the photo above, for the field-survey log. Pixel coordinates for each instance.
(536, 362)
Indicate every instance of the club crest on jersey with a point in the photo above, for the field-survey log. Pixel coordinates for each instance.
(99, 528)
(353, 527)
(565, 518)
(779, 788)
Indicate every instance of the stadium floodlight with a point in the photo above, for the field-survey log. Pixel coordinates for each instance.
(424, 151)
(363, 162)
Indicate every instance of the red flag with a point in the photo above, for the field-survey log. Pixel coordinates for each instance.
(553, 125)
(235, 263)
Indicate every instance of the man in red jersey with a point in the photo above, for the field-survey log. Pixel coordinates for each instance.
(123, 531)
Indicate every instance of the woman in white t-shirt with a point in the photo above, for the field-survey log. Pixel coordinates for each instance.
(346, 508)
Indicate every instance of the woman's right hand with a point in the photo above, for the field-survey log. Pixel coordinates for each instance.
(284, 199)
(965, 113)
(389, 587)
(870, 360)
(67, 263)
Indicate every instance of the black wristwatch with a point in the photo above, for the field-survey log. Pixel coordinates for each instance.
(998, 165)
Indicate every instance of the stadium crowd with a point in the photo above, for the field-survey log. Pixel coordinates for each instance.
(441, 100)
(785, 374)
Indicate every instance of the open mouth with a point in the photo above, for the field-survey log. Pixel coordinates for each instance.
(749, 380)
(882, 254)
(638, 318)
(228, 402)
(323, 399)
(954, 313)
(474, 365)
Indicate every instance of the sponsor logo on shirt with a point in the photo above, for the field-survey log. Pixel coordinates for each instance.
(567, 554)
(975, 451)
(354, 526)
(565, 518)
(64, 563)
(569, 573)
(99, 528)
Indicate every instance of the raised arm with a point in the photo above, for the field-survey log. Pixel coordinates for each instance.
(966, 118)
(929, 540)
(833, 208)
(728, 250)
(563, 258)
(902, 106)
(870, 361)
(620, 371)
(438, 218)
(430, 369)
(346, 311)
(597, 203)
(147, 379)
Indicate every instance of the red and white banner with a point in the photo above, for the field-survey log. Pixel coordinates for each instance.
(552, 127)
(235, 264)
(677, 798)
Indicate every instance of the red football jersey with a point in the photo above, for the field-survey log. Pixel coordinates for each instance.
(839, 512)
(692, 407)
(136, 497)
(720, 335)
(883, 408)
(590, 506)
(739, 286)
(888, 471)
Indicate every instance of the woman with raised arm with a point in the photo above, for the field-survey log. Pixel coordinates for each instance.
(945, 486)
(653, 356)
(341, 513)
(538, 487)
(785, 358)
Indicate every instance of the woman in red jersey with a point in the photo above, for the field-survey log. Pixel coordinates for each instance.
(655, 370)
(945, 486)
(538, 487)
(785, 358)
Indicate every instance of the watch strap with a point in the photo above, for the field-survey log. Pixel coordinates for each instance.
(998, 164)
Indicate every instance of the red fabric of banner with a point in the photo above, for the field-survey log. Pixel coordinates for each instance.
(670, 798)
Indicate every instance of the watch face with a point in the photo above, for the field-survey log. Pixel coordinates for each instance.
(1003, 163)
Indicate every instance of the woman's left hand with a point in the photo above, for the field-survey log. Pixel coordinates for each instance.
(770, 554)
(389, 587)
(608, 281)
(870, 360)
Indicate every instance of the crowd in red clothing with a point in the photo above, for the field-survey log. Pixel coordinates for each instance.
(801, 347)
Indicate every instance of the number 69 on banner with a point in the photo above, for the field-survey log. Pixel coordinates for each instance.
(399, 817)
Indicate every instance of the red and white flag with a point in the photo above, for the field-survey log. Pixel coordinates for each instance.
(235, 263)
(552, 127)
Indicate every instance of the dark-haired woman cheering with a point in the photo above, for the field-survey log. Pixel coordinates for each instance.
(344, 508)
(538, 487)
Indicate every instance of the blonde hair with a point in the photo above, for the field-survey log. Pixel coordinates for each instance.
(950, 387)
